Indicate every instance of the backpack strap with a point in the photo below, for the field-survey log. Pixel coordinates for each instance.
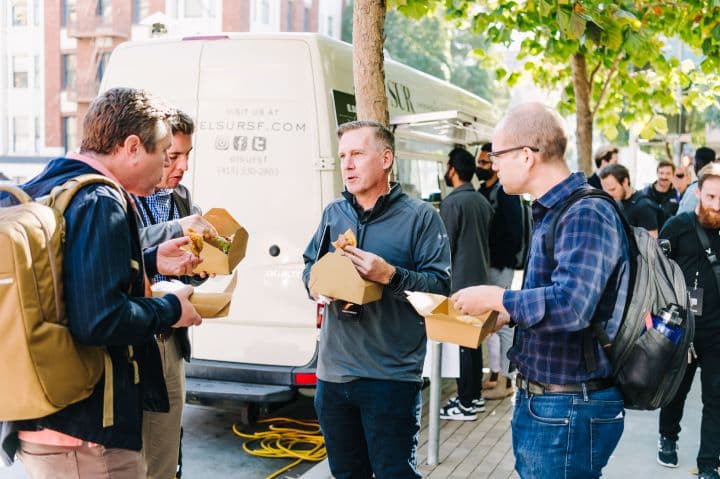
(61, 196)
(17, 192)
(709, 253)
(595, 330)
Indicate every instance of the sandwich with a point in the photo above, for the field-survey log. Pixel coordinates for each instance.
(196, 242)
(344, 240)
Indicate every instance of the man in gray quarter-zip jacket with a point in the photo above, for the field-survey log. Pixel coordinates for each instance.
(369, 365)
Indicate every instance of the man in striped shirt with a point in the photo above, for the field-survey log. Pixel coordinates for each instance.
(568, 415)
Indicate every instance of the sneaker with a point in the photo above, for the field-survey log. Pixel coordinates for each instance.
(478, 405)
(709, 474)
(455, 411)
(667, 452)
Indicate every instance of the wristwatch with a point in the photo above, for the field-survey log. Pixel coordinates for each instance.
(395, 279)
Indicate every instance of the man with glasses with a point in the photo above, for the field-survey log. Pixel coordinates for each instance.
(505, 242)
(568, 417)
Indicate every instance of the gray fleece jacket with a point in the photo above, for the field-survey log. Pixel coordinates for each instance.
(388, 341)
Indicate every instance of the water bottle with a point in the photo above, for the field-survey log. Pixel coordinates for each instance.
(667, 323)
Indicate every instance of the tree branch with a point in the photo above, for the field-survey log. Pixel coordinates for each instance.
(605, 86)
(592, 75)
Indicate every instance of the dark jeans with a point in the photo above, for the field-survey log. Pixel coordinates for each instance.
(707, 348)
(566, 436)
(370, 427)
(469, 384)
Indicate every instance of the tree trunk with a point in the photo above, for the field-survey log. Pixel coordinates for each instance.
(368, 60)
(584, 123)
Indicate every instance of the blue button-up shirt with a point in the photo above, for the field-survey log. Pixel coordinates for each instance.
(587, 276)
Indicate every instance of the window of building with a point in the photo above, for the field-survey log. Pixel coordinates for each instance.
(69, 133)
(20, 71)
(102, 63)
(289, 20)
(141, 9)
(306, 19)
(36, 72)
(104, 9)
(38, 142)
(262, 11)
(68, 12)
(19, 13)
(21, 134)
(69, 68)
(36, 12)
(330, 30)
(193, 8)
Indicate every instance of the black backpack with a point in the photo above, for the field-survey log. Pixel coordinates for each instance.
(647, 366)
(525, 220)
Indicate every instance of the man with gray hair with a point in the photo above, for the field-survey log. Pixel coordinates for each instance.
(370, 361)
(568, 416)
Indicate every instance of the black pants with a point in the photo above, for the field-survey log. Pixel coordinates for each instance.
(469, 384)
(707, 347)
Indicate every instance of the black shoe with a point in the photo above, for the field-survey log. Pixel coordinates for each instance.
(667, 452)
(454, 411)
(709, 474)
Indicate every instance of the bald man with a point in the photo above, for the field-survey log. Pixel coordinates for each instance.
(568, 417)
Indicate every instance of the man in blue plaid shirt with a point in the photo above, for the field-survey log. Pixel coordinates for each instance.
(568, 417)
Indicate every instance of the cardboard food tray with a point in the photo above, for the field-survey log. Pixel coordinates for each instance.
(207, 304)
(335, 276)
(214, 260)
(445, 324)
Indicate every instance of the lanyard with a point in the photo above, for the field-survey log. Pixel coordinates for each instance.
(149, 213)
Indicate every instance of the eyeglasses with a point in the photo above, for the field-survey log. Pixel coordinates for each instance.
(679, 176)
(495, 154)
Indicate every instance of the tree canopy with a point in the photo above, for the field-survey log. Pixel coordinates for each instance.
(612, 61)
(434, 45)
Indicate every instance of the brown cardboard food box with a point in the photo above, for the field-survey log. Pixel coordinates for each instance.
(214, 260)
(207, 304)
(445, 324)
(335, 276)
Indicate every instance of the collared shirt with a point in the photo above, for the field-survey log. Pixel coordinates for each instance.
(157, 208)
(588, 276)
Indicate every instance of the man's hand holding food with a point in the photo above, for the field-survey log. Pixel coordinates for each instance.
(370, 266)
(189, 316)
(478, 300)
(196, 223)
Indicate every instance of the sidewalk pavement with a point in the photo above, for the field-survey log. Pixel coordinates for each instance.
(482, 449)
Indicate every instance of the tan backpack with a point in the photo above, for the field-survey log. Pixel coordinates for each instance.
(42, 368)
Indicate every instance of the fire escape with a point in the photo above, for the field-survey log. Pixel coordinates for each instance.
(99, 27)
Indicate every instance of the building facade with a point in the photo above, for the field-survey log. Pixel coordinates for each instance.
(53, 54)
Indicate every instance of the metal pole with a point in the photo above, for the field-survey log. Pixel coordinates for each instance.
(434, 408)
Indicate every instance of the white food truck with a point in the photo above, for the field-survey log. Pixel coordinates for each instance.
(266, 107)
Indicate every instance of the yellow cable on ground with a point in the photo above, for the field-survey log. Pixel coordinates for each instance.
(283, 441)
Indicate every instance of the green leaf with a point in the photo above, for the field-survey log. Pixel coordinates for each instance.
(659, 124)
(500, 73)
(577, 26)
(545, 8)
(647, 132)
(563, 19)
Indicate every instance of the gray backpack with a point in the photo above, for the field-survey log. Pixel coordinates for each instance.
(648, 365)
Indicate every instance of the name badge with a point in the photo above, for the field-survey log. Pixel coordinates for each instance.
(696, 301)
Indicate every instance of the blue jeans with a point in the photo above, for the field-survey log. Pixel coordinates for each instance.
(370, 427)
(566, 436)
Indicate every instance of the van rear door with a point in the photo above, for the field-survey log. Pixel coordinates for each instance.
(256, 145)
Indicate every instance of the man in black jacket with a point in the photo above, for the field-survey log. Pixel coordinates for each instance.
(695, 244)
(466, 214)
(125, 137)
(637, 208)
